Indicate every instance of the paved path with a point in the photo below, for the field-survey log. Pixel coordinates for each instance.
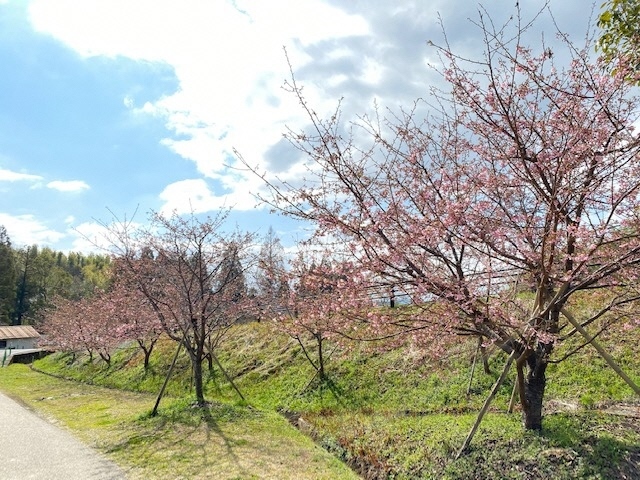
(32, 448)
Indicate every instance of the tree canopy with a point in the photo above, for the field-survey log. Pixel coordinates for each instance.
(619, 40)
(32, 276)
(191, 273)
(523, 176)
(7, 277)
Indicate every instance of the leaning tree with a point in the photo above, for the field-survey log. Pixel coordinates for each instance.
(525, 175)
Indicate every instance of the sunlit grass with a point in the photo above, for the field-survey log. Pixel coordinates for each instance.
(223, 441)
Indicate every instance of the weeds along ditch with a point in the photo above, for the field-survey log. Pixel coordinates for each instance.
(398, 414)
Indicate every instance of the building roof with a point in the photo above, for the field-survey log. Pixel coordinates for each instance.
(17, 331)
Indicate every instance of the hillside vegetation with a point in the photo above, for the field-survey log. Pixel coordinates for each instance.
(397, 414)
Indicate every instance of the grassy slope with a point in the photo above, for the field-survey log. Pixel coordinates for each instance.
(398, 414)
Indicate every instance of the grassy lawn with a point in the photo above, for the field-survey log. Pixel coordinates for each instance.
(225, 442)
(392, 414)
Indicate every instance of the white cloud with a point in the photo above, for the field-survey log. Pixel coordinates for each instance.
(373, 71)
(9, 176)
(62, 186)
(229, 61)
(68, 186)
(195, 196)
(27, 230)
(187, 196)
(89, 237)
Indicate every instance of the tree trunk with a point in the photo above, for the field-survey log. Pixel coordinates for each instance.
(485, 359)
(21, 294)
(209, 362)
(534, 385)
(147, 357)
(147, 352)
(473, 367)
(106, 357)
(197, 379)
(321, 372)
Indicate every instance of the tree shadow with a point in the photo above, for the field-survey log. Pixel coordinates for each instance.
(602, 448)
(610, 458)
(213, 427)
(319, 385)
(186, 434)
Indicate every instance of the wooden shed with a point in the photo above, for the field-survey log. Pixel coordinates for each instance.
(18, 337)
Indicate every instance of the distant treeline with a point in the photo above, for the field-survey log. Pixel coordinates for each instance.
(30, 277)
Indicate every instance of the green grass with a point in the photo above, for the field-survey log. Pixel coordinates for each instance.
(223, 442)
(571, 446)
(393, 413)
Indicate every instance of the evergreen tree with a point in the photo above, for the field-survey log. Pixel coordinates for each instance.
(230, 276)
(44, 274)
(271, 281)
(7, 277)
(26, 290)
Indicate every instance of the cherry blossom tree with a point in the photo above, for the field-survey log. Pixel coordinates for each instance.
(60, 328)
(524, 172)
(183, 268)
(313, 311)
(88, 324)
(135, 318)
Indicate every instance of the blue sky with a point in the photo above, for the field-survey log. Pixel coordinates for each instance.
(125, 105)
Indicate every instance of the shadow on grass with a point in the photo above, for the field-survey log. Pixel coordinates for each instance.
(570, 446)
(318, 387)
(183, 434)
(600, 443)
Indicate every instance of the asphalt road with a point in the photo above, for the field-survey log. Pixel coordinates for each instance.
(32, 448)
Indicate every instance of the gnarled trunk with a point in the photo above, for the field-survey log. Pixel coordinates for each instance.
(532, 387)
(534, 393)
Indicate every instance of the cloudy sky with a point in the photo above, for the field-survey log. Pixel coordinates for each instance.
(137, 105)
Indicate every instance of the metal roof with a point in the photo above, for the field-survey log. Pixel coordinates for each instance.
(17, 331)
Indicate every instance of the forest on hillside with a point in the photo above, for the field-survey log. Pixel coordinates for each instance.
(32, 276)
